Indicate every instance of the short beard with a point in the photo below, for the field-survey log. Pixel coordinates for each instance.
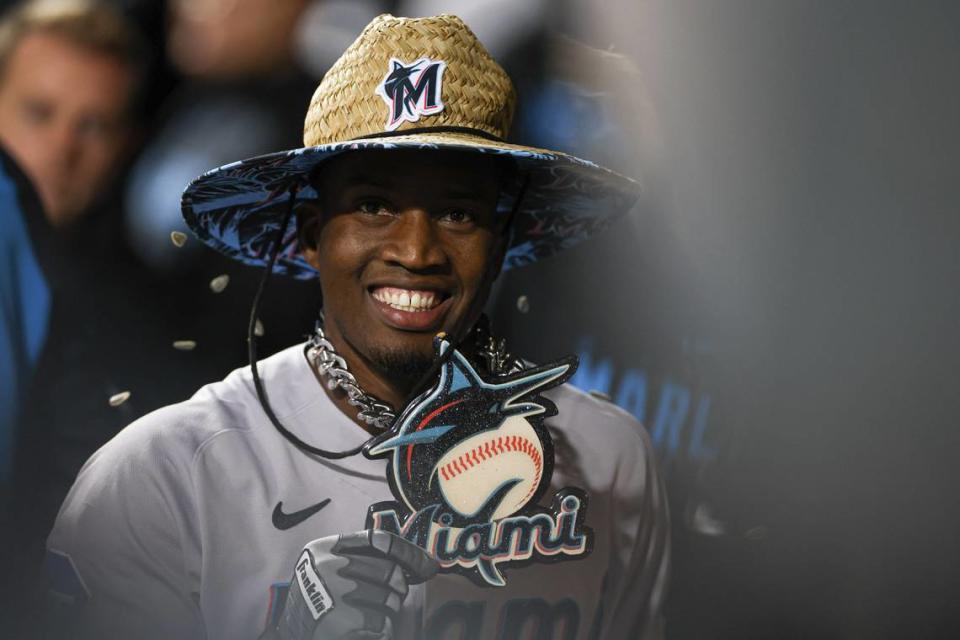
(403, 368)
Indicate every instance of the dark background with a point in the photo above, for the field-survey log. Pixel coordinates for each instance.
(798, 266)
(801, 268)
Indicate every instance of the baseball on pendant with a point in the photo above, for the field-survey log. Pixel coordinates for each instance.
(471, 472)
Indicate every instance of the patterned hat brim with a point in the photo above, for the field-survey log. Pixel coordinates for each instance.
(238, 208)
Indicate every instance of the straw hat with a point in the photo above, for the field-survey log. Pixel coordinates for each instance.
(407, 83)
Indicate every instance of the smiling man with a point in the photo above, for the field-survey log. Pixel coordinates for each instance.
(492, 500)
(399, 262)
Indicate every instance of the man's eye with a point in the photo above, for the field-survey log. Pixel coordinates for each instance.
(458, 216)
(36, 112)
(373, 207)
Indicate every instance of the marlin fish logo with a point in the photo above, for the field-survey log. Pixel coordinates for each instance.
(464, 421)
(469, 461)
(412, 90)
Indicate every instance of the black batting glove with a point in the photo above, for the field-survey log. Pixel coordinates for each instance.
(351, 587)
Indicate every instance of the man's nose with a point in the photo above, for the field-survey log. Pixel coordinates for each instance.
(65, 144)
(413, 242)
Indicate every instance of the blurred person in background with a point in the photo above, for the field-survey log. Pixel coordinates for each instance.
(240, 90)
(242, 94)
(71, 72)
(67, 82)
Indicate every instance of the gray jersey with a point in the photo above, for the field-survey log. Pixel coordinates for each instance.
(170, 528)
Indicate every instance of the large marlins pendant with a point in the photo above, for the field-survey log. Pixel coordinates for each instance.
(469, 462)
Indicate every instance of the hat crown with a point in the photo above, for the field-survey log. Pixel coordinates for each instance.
(411, 73)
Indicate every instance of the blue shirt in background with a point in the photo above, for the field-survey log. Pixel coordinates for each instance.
(24, 307)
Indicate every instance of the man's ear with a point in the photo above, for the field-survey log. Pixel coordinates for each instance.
(308, 223)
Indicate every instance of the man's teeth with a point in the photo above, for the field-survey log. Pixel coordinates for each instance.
(407, 300)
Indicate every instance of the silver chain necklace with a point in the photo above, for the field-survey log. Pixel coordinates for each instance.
(324, 358)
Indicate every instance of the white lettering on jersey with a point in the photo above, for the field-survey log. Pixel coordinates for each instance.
(311, 586)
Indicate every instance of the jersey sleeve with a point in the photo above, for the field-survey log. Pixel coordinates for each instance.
(636, 584)
(116, 556)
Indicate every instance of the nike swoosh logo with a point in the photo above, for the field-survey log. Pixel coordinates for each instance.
(284, 521)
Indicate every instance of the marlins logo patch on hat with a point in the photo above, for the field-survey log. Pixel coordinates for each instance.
(412, 90)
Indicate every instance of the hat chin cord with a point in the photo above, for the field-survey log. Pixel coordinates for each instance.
(252, 348)
(460, 334)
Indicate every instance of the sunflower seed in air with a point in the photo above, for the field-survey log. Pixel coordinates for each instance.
(258, 328)
(178, 238)
(523, 304)
(119, 398)
(756, 533)
(219, 283)
(184, 345)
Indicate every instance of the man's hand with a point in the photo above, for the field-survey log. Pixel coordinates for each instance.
(351, 587)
